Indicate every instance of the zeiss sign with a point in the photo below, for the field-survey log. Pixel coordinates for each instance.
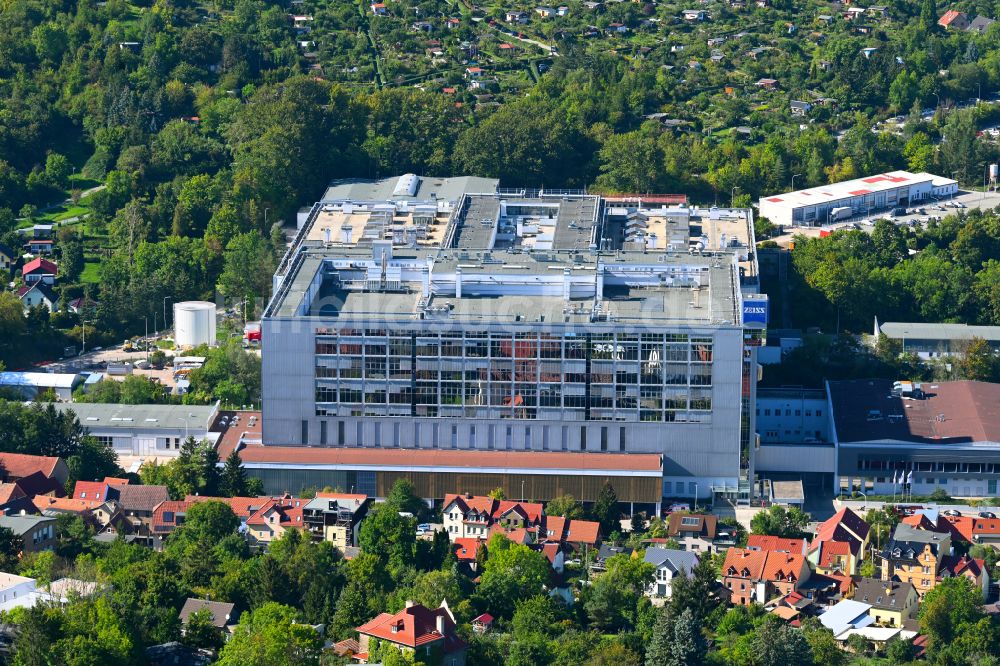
(755, 311)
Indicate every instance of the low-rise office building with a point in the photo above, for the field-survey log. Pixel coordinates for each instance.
(335, 517)
(930, 341)
(146, 431)
(862, 196)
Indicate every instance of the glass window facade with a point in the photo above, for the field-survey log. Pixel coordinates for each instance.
(522, 375)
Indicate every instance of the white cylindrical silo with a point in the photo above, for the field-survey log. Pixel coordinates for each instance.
(194, 323)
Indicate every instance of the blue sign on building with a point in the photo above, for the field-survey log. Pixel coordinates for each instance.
(755, 310)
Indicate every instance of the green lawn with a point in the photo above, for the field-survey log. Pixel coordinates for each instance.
(91, 272)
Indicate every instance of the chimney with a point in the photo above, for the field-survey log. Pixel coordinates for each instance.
(410, 603)
(458, 282)
(440, 623)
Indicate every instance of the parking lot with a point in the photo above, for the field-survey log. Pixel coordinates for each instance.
(965, 200)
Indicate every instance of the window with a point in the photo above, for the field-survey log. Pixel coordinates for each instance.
(322, 432)
(621, 439)
(168, 516)
(767, 412)
(305, 432)
(583, 438)
(604, 438)
(819, 412)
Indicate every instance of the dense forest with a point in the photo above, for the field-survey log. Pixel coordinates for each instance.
(174, 137)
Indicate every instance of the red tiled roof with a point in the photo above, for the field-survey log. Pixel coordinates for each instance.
(962, 528)
(243, 507)
(65, 504)
(845, 525)
(471, 460)
(466, 549)
(38, 263)
(413, 627)
(954, 565)
(10, 492)
(764, 542)
(160, 524)
(232, 435)
(949, 17)
(831, 550)
(115, 481)
(706, 526)
(582, 531)
(18, 465)
(983, 526)
(485, 618)
(91, 490)
(550, 551)
(288, 510)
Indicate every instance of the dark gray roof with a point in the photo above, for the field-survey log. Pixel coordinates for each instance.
(883, 594)
(21, 525)
(681, 561)
(980, 24)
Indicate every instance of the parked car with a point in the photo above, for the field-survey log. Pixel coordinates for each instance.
(679, 507)
(987, 514)
(951, 512)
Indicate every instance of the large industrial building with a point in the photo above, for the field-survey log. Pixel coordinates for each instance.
(863, 434)
(449, 317)
(862, 196)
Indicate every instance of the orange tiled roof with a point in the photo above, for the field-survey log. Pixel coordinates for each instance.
(466, 549)
(17, 465)
(414, 627)
(43, 502)
(762, 565)
(765, 542)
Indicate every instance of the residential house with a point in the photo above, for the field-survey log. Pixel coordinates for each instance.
(13, 499)
(756, 575)
(516, 17)
(39, 270)
(914, 556)
(767, 84)
(37, 533)
(777, 544)
(168, 516)
(986, 531)
(881, 11)
(473, 72)
(77, 305)
(274, 518)
(892, 602)
(379, 9)
(16, 466)
(756, 53)
(694, 532)
(953, 566)
(473, 516)
(954, 19)
(578, 534)
(847, 615)
(840, 544)
(101, 491)
(16, 591)
(545, 12)
(7, 258)
(417, 631)
(800, 108)
(467, 552)
(482, 623)
(137, 504)
(606, 551)
(669, 563)
(54, 506)
(221, 613)
(790, 607)
(616, 29)
(694, 15)
(562, 10)
(336, 517)
(38, 293)
(39, 246)
(453, 23)
(978, 25)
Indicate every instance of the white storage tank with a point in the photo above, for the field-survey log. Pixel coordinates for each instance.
(194, 323)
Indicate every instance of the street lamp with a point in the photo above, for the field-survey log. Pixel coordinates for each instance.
(185, 419)
(864, 507)
(696, 496)
(165, 299)
(794, 176)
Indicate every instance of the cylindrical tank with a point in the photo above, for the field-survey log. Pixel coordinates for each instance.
(194, 323)
(993, 172)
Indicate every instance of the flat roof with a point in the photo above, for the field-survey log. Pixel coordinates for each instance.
(454, 460)
(854, 188)
(146, 417)
(920, 331)
(40, 379)
(959, 412)
(427, 188)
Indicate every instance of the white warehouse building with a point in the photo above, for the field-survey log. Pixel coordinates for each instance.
(862, 196)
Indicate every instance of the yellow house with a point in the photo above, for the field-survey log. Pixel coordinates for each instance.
(892, 602)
